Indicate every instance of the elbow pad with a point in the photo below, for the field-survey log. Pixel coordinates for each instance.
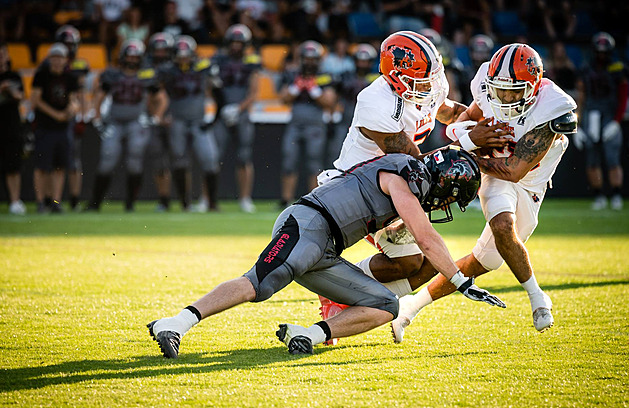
(565, 124)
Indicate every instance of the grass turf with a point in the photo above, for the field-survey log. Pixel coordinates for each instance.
(76, 291)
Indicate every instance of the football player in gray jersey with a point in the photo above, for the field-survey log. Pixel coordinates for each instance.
(239, 77)
(310, 235)
(187, 82)
(126, 119)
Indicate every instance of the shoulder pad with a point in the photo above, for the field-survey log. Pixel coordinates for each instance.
(565, 124)
(202, 64)
(615, 66)
(146, 73)
(372, 77)
(324, 79)
(251, 59)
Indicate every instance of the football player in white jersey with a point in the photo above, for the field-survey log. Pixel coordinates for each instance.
(509, 89)
(394, 114)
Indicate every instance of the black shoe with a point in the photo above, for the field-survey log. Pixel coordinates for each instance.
(168, 341)
(297, 343)
(42, 208)
(56, 208)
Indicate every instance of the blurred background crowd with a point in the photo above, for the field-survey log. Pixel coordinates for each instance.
(297, 65)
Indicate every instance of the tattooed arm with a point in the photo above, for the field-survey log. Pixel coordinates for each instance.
(392, 142)
(529, 151)
(449, 111)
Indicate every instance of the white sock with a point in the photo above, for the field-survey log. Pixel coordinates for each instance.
(316, 334)
(410, 305)
(179, 324)
(364, 265)
(531, 286)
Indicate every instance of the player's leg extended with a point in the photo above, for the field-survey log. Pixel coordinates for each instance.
(291, 251)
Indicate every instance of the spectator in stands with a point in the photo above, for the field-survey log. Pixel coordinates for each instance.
(308, 92)
(602, 98)
(189, 11)
(109, 13)
(402, 15)
(9, 19)
(253, 13)
(559, 19)
(338, 61)
(54, 99)
(481, 48)
(35, 22)
(561, 69)
(170, 22)
(217, 16)
(300, 18)
(11, 145)
(133, 27)
(239, 72)
(475, 17)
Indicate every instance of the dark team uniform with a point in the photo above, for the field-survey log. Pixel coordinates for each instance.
(11, 142)
(79, 68)
(235, 74)
(306, 125)
(601, 107)
(52, 147)
(186, 90)
(309, 236)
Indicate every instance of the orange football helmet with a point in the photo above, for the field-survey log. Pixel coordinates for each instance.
(411, 64)
(516, 68)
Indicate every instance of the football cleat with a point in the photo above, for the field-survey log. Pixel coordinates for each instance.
(543, 319)
(328, 309)
(616, 202)
(599, 203)
(296, 338)
(397, 328)
(168, 341)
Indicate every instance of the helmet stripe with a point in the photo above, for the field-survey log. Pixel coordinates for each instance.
(512, 61)
(500, 61)
(416, 40)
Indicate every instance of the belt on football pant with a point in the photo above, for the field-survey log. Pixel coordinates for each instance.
(337, 235)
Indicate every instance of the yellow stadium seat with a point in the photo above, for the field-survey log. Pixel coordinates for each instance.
(206, 51)
(273, 56)
(20, 56)
(42, 51)
(94, 54)
(62, 17)
(266, 88)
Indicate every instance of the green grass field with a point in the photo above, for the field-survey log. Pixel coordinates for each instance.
(77, 290)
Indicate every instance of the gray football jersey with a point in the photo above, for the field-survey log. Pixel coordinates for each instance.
(187, 89)
(355, 199)
(128, 92)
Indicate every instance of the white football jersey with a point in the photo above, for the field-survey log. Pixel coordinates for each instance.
(551, 103)
(380, 109)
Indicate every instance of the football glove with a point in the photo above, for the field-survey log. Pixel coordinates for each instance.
(467, 287)
(230, 114)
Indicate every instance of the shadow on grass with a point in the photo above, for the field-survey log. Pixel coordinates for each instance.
(72, 372)
(563, 286)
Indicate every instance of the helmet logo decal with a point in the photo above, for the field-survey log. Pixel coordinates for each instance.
(459, 168)
(403, 58)
(531, 66)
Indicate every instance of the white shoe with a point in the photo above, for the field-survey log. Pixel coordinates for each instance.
(201, 207)
(296, 338)
(616, 202)
(246, 205)
(17, 208)
(599, 203)
(397, 328)
(542, 317)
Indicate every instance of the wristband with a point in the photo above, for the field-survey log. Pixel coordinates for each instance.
(458, 279)
(293, 90)
(466, 142)
(315, 92)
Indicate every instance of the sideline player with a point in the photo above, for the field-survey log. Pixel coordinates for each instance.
(309, 236)
(239, 75)
(510, 89)
(126, 119)
(187, 82)
(394, 114)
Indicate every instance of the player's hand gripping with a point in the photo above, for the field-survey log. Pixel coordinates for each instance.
(485, 135)
(467, 287)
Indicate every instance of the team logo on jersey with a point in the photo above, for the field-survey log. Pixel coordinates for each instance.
(403, 58)
(438, 157)
(535, 198)
(521, 120)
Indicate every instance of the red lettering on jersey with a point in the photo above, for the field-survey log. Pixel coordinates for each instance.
(276, 248)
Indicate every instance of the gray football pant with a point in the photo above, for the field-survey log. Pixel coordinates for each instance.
(302, 250)
(313, 136)
(203, 145)
(137, 138)
(242, 134)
